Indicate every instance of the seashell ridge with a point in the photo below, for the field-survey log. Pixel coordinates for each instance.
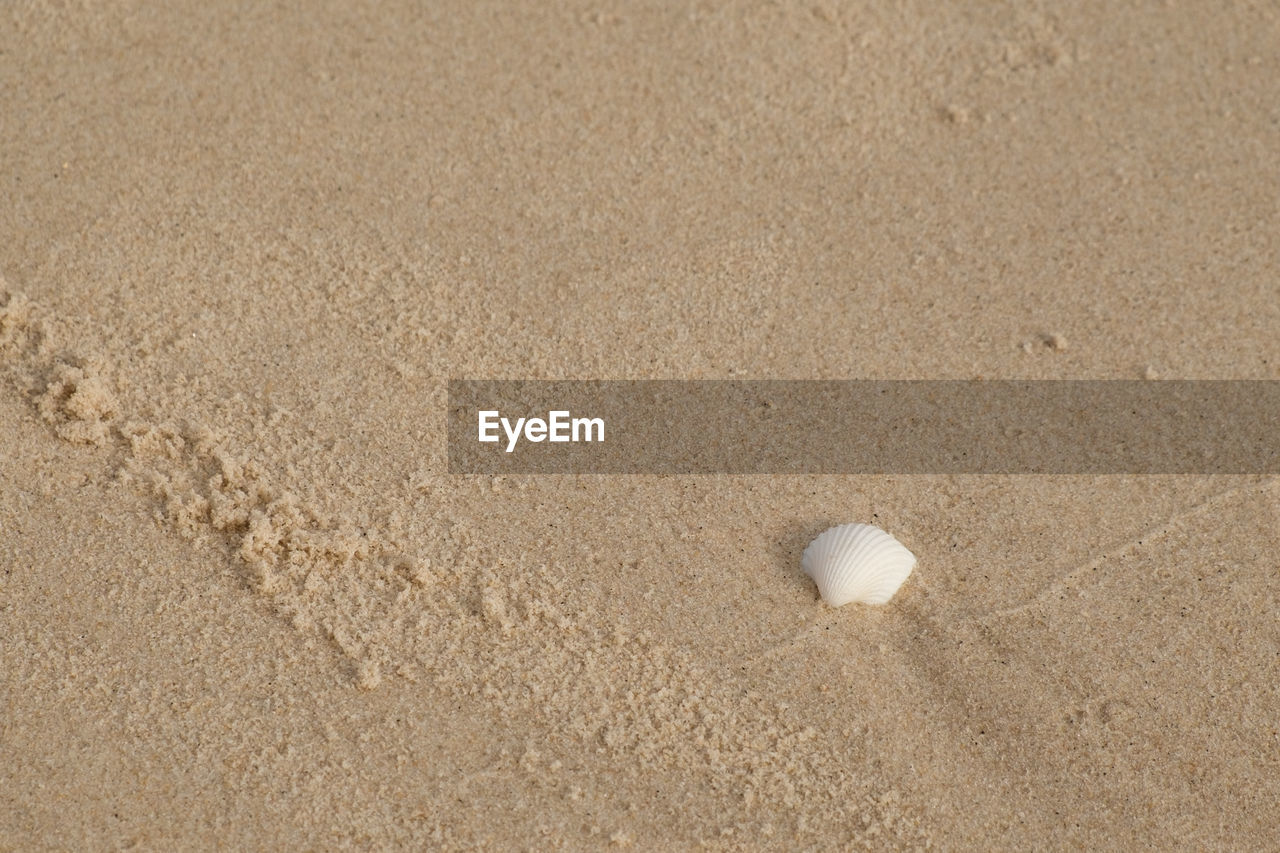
(857, 562)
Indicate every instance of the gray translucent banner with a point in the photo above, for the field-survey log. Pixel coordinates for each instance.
(865, 426)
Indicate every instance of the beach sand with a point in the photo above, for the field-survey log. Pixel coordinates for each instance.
(245, 605)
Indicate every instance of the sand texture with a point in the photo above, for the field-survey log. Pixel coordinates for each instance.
(244, 247)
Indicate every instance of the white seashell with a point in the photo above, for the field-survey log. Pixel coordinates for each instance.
(857, 562)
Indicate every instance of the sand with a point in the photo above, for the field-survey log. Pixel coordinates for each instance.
(244, 604)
